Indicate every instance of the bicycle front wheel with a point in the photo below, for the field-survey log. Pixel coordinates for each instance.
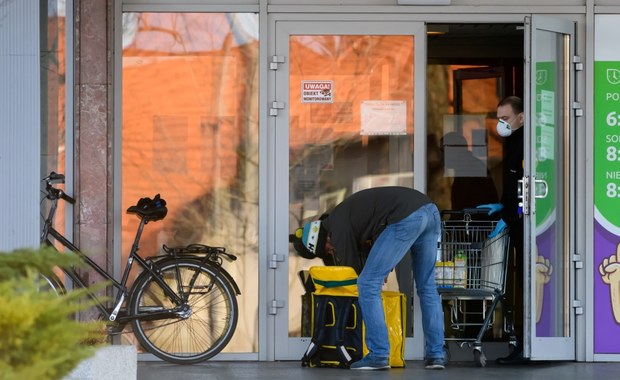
(49, 282)
(196, 334)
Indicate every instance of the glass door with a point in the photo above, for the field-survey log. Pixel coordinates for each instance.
(346, 109)
(548, 190)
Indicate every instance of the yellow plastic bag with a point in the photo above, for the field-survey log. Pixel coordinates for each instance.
(394, 304)
(334, 280)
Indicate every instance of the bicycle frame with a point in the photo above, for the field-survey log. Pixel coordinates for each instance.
(120, 286)
(186, 284)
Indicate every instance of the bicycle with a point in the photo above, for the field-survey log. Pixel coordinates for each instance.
(182, 306)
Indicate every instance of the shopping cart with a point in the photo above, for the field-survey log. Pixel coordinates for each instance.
(471, 277)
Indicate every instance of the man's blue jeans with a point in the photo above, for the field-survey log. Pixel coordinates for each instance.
(418, 234)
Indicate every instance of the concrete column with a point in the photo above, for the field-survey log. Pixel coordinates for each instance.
(93, 64)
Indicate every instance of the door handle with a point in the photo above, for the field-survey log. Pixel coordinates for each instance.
(523, 194)
(541, 188)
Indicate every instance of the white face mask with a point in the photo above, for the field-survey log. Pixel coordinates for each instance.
(503, 128)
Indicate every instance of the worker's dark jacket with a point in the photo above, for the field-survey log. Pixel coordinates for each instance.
(356, 222)
(512, 172)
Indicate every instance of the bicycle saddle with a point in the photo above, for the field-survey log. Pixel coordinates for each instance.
(150, 209)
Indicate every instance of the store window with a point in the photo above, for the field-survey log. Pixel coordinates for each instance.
(53, 92)
(190, 133)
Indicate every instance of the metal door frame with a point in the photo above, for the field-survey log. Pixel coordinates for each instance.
(547, 348)
(281, 27)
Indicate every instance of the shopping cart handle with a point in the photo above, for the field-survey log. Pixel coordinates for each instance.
(476, 210)
(470, 211)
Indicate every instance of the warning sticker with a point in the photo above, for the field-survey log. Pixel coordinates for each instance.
(317, 91)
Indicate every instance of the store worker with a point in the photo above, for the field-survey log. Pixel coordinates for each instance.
(510, 127)
(391, 221)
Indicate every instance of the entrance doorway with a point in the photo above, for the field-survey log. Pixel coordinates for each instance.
(471, 67)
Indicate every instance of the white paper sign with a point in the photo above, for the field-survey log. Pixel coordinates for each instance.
(383, 117)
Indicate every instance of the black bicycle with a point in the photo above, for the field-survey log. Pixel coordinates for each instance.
(182, 306)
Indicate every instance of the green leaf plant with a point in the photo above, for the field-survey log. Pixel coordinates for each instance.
(39, 336)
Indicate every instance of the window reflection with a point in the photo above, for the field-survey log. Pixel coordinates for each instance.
(190, 133)
(461, 121)
(53, 88)
(350, 128)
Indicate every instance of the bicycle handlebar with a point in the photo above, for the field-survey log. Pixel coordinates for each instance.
(55, 178)
(53, 192)
(66, 197)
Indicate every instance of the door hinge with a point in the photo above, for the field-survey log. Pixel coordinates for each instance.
(577, 261)
(578, 307)
(578, 109)
(577, 62)
(275, 305)
(275, 259)
(275, 61)
(275, 106)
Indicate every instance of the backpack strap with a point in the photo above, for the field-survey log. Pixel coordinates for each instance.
(318, 333)
(340, 316)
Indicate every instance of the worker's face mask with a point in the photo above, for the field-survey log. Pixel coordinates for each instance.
(503, 128)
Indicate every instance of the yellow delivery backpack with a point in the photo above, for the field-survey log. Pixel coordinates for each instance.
(337, 328)
(336, 319)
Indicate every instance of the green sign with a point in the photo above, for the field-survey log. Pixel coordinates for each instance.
(607, 140)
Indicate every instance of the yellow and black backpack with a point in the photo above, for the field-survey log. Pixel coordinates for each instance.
(336, 319)
(337, 328)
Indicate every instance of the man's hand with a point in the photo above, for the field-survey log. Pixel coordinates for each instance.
(493, 207)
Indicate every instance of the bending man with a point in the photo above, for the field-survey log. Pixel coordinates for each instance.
(391, 221)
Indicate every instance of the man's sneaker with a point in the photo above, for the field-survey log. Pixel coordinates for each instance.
(371, 362)
(434, 363)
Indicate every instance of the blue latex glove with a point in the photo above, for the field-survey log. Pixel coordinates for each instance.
(493, 207)
(499, 227)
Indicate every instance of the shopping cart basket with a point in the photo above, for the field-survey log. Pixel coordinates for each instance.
(471, 268)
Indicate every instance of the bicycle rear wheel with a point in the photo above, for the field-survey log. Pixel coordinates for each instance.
(192, 336)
